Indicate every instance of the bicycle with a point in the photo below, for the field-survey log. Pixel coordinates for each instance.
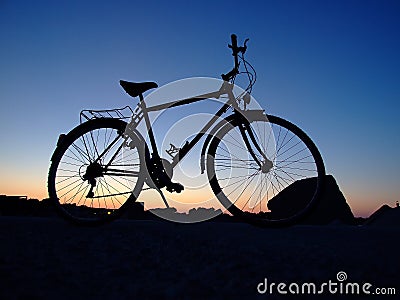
(100, 167)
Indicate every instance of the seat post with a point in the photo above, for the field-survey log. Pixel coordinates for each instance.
(148, 125)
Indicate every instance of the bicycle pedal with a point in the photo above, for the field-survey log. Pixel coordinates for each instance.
(175, 187)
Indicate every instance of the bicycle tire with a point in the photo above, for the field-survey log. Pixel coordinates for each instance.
(225, 192)
(69, 163)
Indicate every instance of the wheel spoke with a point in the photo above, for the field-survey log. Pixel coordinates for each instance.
(87, 189)
(243, 185)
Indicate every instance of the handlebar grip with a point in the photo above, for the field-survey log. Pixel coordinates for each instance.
(234, 41)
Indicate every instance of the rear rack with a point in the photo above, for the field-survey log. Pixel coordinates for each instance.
(124, 113)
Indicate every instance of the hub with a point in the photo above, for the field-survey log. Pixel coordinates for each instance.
(93, 171)
(266, 166)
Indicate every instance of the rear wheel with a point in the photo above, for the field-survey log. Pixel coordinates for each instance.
(278, 190)
(96, 171)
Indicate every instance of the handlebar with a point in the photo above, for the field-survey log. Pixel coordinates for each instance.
(235, 51)
(234, 41)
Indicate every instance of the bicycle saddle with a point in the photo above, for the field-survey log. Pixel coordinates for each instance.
(134, 89)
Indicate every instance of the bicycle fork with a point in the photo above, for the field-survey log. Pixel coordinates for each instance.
(266, 165)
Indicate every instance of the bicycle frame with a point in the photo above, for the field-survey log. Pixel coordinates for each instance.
(226, 88)
(100, 167)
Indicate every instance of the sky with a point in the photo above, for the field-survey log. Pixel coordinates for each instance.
(330, 67)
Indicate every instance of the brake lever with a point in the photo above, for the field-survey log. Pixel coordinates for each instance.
(239, 49)
(245, 45)
(235, 50)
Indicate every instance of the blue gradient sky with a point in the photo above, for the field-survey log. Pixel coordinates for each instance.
(331, 67)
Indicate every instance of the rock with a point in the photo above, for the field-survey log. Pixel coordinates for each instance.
(385, 216)
(331, 206)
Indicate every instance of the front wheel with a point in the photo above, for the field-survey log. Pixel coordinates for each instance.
(275, 188)
(96, 171)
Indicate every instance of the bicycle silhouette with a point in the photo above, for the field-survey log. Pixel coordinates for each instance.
(100, 167)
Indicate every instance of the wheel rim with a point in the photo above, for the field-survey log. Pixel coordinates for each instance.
(98, 155)
(262, 191)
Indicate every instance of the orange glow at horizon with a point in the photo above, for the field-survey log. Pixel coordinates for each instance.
(26, 184)
(23, 184)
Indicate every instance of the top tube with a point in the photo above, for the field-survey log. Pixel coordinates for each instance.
(226, 88)
(183, 101)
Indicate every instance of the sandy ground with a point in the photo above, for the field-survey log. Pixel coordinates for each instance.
(47, 258)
